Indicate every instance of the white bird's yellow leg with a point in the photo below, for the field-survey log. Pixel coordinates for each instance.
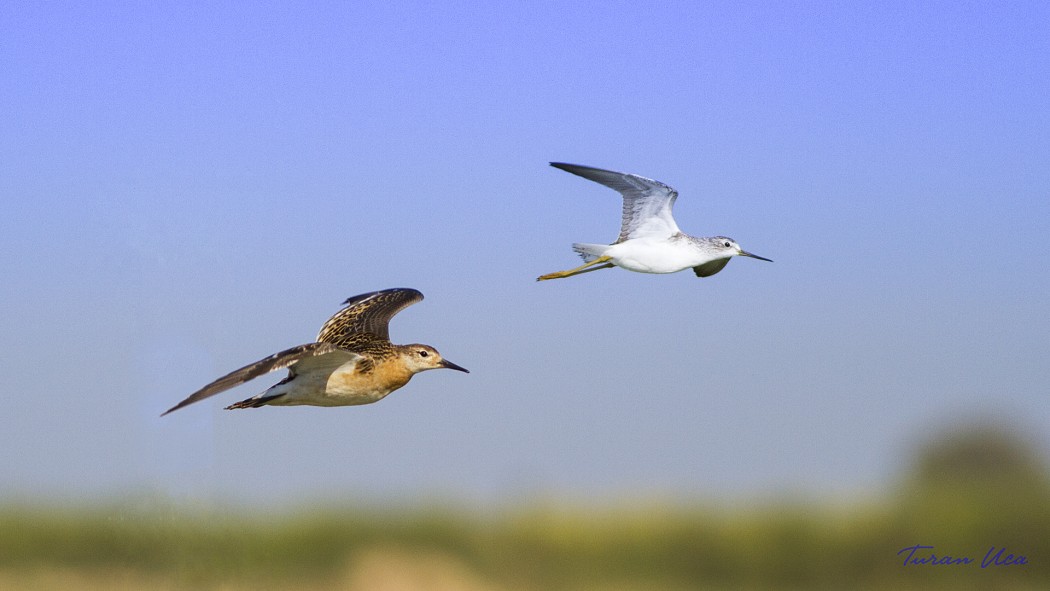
(581, 269)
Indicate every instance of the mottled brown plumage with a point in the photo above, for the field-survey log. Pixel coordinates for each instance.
(363, 326)
(352, 362)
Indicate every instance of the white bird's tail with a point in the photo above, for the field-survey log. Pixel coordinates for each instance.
(589, 252)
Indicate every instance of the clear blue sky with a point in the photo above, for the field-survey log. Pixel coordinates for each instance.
(190, 187)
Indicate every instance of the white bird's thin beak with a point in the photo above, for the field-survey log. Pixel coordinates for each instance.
(754, 256)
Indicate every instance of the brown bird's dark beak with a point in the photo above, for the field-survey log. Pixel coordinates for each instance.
(448, 364)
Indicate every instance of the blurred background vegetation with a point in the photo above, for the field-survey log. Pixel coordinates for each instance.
(966, 490)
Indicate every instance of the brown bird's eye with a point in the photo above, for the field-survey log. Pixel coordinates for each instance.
(423, 353)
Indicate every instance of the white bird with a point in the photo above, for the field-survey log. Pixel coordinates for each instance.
(649, 241)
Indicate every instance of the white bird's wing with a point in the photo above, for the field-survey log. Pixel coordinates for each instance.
(309, 357)
(646, 203)
(711, 267)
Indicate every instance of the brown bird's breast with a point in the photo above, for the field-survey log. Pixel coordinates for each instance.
(354, 386)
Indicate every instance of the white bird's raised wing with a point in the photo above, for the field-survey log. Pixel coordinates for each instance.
(646, 203)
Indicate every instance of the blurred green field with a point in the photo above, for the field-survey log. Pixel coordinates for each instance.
(964, 493)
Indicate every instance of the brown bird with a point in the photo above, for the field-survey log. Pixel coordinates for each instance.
(353, 361)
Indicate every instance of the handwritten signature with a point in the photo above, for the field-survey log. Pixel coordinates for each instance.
(991, 558)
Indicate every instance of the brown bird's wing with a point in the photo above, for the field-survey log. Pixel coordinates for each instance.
(312, 356)
(367, 313)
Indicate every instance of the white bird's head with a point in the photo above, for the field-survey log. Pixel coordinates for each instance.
(727, 247)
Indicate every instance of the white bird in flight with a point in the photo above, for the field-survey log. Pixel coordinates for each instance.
(649, 241)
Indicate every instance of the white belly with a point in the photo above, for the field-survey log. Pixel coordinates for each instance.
(653, 256)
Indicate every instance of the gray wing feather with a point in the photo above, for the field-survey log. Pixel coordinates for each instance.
(711, 267)
(286, 358)
(647, 204)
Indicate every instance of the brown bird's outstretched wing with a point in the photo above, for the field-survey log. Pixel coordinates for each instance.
(325, 354)
(367, 313)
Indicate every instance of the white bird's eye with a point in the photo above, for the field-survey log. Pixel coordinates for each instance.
(727, 245)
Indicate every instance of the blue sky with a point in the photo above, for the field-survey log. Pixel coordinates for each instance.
(191, 187)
